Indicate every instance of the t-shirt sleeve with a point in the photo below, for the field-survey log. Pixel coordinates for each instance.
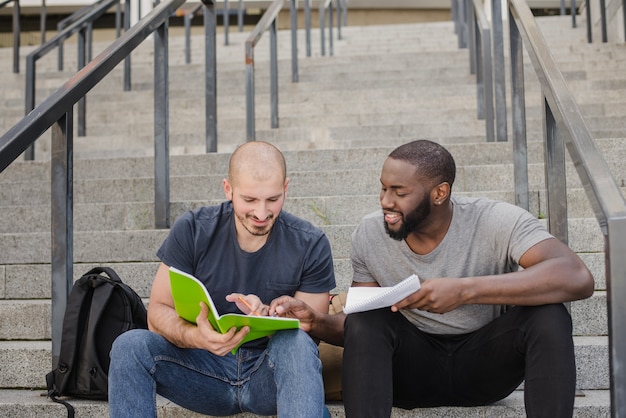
(177, 249)
(526, 231)
(319, 274)
(358, 255)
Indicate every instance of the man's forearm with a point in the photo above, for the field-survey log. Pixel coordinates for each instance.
(329, 328)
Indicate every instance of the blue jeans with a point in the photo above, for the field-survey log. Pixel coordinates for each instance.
(285, 378)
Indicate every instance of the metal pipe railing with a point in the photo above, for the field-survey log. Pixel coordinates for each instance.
(267, 23)
(16, 32)
(57, 112)
(499, 87)
(76, 16)
(480, 55)
(81, 26)
(326, 10)
(565, 129)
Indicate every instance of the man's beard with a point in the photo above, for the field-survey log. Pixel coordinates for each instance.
(410, 222)
(255, 230)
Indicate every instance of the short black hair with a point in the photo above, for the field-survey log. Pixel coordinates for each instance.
(432, 161)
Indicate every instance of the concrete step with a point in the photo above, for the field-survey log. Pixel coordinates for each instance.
(29, 319)
(319, 210)
(140, 245)
(31, 403)
(473, 178)
(33, 361)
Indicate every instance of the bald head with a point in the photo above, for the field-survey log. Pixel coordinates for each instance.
(258, 160)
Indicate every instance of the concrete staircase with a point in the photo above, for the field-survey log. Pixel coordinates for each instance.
(384, 86)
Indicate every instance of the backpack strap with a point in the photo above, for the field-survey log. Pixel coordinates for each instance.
(70, 408)
(106, 270)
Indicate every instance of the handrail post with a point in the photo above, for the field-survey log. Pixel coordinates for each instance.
(127, 80)
(29, 95)
(462, 34)
(487, 73)
(16, 36)
(518, 117)
(331, 49)
(273, 74)
(498, 71)
(240, 15)
(322, 16)
(82, 103)
(210, 72)
(187, 20)
(250, 128)
(588, 16)
(161, 129)
(62, 225)
(615, 268)
(603, 20)
(556, 193)
(472, 29)
(60, 50)
(294, 41)
(42, 21)
(226, 20)
(307, 26)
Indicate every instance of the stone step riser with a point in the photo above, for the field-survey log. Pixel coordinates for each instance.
(125, 246)
(30, 319)
(322, 210)
(471, 179)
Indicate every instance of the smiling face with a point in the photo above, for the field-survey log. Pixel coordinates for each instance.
(404, 199)
(257, 186)
(257, 203)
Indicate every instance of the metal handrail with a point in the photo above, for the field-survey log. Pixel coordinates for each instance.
(81, 26)
(16, 33)
(268, 22)
(77, 15)
(56, 112)
(565, 128)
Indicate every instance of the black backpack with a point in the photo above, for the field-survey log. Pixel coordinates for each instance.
(99, 308)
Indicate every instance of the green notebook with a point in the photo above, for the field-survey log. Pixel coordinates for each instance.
(188, 292)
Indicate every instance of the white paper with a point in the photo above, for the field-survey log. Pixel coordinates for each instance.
(365, 298)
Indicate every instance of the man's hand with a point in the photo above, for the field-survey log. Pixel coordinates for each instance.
(209, 339)
(248, 304)
(435, 295)
(288, 307)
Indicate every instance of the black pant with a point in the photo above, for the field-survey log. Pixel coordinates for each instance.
(388, 361)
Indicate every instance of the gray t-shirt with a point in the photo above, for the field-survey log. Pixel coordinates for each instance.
(485, 238)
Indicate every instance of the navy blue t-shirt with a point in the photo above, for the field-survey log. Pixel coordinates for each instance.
(296, 256)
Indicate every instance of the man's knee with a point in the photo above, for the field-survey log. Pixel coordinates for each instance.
(129, 342)
(549, 319)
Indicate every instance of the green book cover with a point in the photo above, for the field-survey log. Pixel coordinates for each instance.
(188, 292)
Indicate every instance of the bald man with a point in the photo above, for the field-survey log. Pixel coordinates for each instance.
(248, 247)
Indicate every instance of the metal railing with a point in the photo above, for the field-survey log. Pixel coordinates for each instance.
(81, 27)
(565, 129)
(16, 32)
(268, 23)
(471, 26)
(77, 15)
(479, 34)
(602, 8)
(56, 112)
(326, 12)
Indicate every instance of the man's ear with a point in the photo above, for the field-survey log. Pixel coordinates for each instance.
(228, 189)
(440, 193)
(285, 186)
